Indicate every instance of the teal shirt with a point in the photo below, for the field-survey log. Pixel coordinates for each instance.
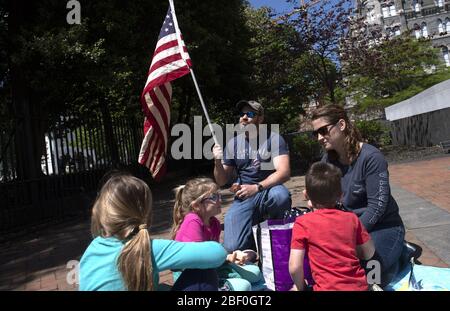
(98, 265)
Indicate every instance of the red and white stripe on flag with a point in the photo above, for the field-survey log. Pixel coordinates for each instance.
(169, 63)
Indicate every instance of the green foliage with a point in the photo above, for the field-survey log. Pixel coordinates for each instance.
(72, 69)
(420, 85)
(322, 26)
(217, 40)
(394, 69)
(99, 68)
(305, 149)
(273, 51)
(374, 132)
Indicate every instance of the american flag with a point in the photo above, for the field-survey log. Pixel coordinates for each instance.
(169, 63)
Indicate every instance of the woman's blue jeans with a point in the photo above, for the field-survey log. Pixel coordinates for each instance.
(388, 245)
(243, 214)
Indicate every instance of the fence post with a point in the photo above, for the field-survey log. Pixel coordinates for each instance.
(109, 134)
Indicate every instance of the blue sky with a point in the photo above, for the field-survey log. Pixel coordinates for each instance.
(280, 6)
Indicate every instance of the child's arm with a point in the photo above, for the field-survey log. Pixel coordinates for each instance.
(248, 272)
(365, 248)
(296, 267)
(174, 255)
(365, 251)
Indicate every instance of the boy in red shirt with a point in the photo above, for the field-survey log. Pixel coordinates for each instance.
(335, 240)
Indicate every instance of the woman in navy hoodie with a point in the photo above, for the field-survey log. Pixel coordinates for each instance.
(365, 184)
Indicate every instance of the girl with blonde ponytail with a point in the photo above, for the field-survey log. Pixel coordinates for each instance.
(197, 202)
(365, 183)
(196, 205)
(121, 255)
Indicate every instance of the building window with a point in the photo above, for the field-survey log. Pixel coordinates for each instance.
(389, 31)
(416, 5)
(440, 26)
(397, 31)
(424, 30)
(447, 24)
(392, 10)
(385, 11)
(446, 56)
(440, 3)
(417, 31)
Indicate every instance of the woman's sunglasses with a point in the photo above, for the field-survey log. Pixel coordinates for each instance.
(250, 114)
(215, 197)
(324, 130)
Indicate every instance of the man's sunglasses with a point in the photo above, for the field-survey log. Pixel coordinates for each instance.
(250, 114)
(324, 130)
(215, 197)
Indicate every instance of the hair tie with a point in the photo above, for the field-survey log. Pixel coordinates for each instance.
(143, 227)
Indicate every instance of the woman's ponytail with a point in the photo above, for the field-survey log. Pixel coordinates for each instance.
(352, 140)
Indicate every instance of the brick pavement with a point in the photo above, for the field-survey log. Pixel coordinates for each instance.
(39, 262)
(429, 179)
(422, 190)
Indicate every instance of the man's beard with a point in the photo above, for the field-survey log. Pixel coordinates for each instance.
(250, 129)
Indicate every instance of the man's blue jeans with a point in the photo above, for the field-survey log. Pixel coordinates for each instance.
(243, 214)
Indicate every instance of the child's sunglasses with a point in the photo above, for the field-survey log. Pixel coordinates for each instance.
(215, 197)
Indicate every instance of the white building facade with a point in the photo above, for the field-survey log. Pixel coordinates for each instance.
(426, 18)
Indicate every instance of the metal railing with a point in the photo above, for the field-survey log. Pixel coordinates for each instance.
(76, 155)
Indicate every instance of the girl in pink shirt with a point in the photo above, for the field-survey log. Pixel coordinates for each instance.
(196, 205)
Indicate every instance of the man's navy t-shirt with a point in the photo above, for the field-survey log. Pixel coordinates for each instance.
(253, 164)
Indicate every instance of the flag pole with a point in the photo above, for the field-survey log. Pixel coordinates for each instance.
(204, 107)
(180, 46)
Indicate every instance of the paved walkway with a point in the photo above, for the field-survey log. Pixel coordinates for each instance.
(422, 190)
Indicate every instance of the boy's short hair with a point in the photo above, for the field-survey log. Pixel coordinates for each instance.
(323, 183)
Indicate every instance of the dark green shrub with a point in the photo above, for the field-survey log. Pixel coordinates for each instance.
(306, 149)
(374, 132)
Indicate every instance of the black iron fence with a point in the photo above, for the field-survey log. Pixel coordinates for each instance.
(87, 146)
(7, 155)
(76, 154)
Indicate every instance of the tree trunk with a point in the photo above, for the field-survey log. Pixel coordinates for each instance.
(187, 109)
(328, 78)
(27, 146)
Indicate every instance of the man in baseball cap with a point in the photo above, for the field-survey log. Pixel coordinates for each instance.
(257, 172)
(257, 107)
